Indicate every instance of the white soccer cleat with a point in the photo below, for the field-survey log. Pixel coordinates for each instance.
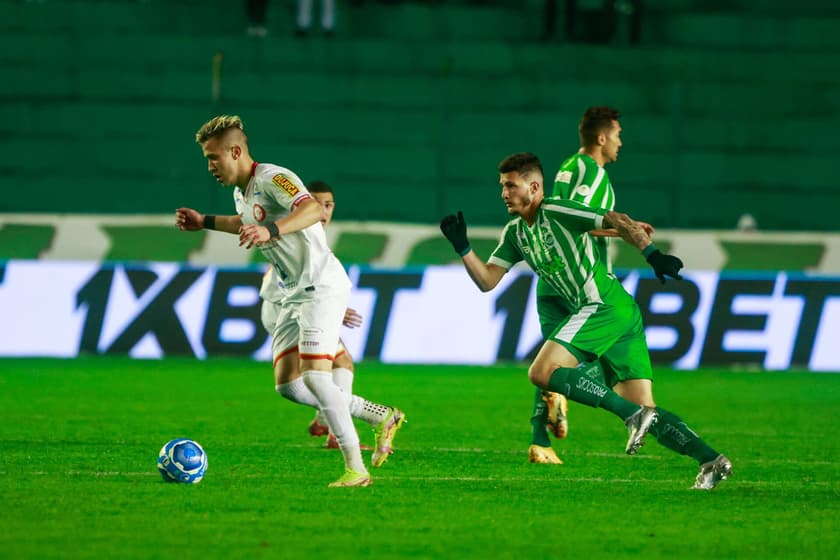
(638, 426)
(713, 472)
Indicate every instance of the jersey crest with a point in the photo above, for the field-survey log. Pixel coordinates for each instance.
(582, 190)
(259, 213)
(284, 183)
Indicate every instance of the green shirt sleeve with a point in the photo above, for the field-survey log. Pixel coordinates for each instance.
(506, 254)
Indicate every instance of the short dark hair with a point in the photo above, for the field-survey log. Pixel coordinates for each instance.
(521, 162)
(319, 187)
(595, 121)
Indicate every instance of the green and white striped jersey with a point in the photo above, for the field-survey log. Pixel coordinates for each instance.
(581, 179)
(558, 248)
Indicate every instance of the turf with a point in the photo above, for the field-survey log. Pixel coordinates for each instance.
(79, 439)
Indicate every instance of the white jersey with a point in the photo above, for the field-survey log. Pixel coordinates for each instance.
(302, 261)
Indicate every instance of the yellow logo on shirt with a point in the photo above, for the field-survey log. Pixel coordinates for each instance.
(284, 183)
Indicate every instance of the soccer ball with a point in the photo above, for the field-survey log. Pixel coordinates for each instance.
(182, 460)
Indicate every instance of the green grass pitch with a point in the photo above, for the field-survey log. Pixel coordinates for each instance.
(79, 439)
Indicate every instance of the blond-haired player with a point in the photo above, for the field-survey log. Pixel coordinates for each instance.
(272, 293)
(276, 213)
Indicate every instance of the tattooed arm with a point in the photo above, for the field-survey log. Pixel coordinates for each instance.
(634, 233)
(629, 230)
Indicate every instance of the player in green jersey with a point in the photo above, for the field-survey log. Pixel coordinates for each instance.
(581, 178)
(604, 323)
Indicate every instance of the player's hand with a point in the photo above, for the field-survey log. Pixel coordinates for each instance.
(665, 265)
(187, 219)
(352, 319)
(253, 234)
(454, 228)
(649, 229)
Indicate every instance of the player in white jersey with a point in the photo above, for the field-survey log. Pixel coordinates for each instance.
(272, 293)
(276, 213)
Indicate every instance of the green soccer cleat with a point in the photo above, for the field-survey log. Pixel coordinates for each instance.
(352, 479)
(558, 410)
(384, 434)
(713, 472)
(638, 426)
(543, 455)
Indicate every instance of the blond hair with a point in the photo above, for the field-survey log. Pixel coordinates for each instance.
(218, 126)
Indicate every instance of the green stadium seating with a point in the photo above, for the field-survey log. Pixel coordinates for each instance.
(724, 102)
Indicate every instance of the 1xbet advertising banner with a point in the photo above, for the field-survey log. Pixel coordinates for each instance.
(432, 315)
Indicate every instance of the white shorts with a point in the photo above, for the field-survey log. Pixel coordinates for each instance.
(310, 327)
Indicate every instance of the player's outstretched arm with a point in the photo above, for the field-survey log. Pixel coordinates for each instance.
(486, 276)
(187, 219)
(637, 235)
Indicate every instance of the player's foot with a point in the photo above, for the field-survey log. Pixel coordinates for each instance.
(352, 478)
(638, 426)
(713, 472)
(558, 409)
(316, 429)
(544, 455)
(385, 432)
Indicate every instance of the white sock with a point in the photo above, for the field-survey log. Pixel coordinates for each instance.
(370, 412)
(297, 391)
(343, 377)
(334, 406)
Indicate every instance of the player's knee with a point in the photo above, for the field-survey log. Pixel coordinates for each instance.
(539, 375)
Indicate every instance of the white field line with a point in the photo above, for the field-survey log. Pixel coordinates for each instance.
(495, 479)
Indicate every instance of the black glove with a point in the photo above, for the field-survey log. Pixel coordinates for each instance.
(454, 228)
(665, 265)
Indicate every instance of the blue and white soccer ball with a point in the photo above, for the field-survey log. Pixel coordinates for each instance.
(182, 460)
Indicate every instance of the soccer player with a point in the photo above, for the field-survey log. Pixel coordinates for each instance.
(604, 323)
(276, 213)
(272, 292)
(581, 178)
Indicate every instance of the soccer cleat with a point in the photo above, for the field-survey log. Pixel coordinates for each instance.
(543, 455)
(558, 409)
(384, 433)
(316, 429)
(713, 472)
(352, 479)
(638, 426)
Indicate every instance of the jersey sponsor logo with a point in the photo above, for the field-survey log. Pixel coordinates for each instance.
(582, 190)
(284, 183)
(563, 177)
(259, 213)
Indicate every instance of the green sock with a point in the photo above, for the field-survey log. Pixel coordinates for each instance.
(583, 384)
(673, 433)
(539, 433)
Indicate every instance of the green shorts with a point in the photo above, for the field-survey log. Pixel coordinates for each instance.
(611, 332)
